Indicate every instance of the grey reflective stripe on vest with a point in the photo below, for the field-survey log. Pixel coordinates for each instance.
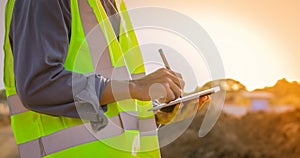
(32, 149)
(15, 105)
(98, 46)
(78, 135)
(147, 127)
(69, 137)
(129, 120)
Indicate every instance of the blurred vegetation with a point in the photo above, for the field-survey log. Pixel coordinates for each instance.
(3, 98)
(4, 117)
(229, 85)
(234, 90)
(285, 93)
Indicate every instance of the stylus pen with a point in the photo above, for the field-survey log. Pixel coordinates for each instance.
(155, 102)
(164, 59)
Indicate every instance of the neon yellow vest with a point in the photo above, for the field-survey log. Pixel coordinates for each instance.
(41, 135)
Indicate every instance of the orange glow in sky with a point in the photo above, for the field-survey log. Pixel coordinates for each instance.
(258, 40)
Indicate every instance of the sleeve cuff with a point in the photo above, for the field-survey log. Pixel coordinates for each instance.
(87, 102)
(100, 84)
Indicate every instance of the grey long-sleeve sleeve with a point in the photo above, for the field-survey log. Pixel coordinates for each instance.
(40, 36)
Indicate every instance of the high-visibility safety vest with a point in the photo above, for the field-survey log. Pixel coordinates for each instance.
(131, 131)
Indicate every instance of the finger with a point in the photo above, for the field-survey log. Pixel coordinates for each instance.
(176, 83)
(203, 100)
(182, 83)
(172, 91)
(176, 77)
(170, 95)
(178, 74)
(178, 80)
(176, 89)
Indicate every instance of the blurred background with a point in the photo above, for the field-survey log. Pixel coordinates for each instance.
(259, 45)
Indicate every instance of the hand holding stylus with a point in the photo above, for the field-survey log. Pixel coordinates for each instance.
(171, 113)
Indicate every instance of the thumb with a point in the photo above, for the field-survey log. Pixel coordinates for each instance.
(203, 100)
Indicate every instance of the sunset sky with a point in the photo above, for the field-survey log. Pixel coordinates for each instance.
(259, 41)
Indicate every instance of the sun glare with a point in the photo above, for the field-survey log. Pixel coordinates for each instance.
(249, 55)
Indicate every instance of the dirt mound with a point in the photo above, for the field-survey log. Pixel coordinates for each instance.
(255, 135)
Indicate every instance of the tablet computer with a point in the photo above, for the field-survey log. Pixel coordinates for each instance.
(157, 105)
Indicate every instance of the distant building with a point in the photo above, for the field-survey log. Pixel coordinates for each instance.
(259, 100)
(236, 110)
